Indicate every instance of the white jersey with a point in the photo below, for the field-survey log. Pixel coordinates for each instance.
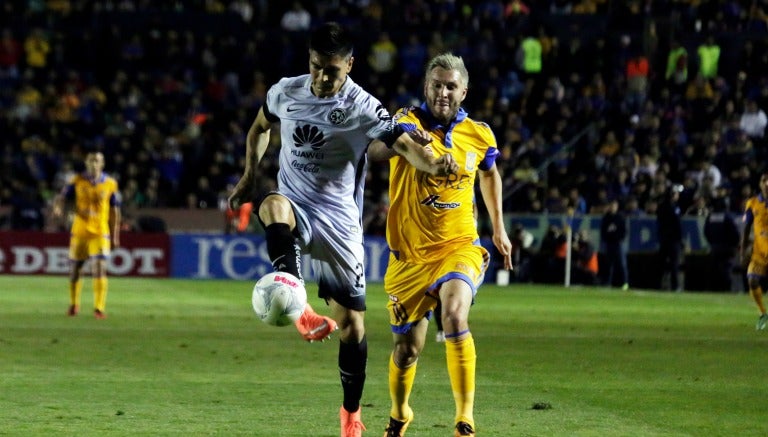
(323, 159)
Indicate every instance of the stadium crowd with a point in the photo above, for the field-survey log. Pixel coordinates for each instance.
(590, 100)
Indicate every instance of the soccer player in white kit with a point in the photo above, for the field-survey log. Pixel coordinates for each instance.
(327, 123)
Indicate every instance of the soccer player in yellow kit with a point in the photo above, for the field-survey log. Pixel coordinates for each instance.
(435, 251)
(95, 229)
(756, 218)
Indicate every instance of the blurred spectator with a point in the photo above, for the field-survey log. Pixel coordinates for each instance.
(413, 56)
(613, 233)
(27, 210)
(670, 236)
(296, 19)
(753, 120)
(515, 8)
(10, 56)
(522, 253)
(530, 56)
(244, 9)
(382, 57)
(637, 72)
(576, 201)
(723, 236)
(709, 56)
(552, 254)
(699, 207)
(585, 265)
(37, 47)
(677, 66)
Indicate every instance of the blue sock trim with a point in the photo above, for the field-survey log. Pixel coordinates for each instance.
(458, 334)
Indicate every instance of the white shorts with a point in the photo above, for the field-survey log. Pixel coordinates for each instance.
(337, 260)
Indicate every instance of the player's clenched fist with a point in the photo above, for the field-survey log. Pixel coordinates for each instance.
(420, 136)
(446, 165)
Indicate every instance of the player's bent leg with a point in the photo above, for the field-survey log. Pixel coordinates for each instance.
(402, 375)
(352, 359)
(314, 327)
(100, 285)
(756, 291)
(400, 386)
(460, 352)
(75, 288)
(461, 358)
(279, 221)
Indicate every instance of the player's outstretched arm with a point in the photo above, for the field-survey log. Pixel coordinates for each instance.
(256, 144)
(744, 244)
(490, 188)
(411, 146)
(378, 151)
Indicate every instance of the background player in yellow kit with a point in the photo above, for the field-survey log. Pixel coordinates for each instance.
(435, 251)
(756, 219)
(95, 229)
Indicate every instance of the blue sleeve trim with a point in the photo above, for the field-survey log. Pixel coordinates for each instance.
(490, 157)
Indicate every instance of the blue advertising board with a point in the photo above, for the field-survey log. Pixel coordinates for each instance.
(244, 257)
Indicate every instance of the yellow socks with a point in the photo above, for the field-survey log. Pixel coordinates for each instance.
(74, 292)
(757, 295)
(100, 293)
(462, 357)
(400, 386)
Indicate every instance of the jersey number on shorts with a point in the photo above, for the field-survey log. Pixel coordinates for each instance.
(359, 275)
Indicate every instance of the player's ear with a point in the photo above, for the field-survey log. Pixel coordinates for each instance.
(349, 63)
(463, 94)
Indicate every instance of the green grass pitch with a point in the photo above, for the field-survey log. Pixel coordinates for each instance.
(185, 357)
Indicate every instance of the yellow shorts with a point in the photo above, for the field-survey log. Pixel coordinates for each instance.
(80, 248)
(412, 288)
(757, 267)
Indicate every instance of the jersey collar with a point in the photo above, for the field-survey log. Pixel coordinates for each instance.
(97, 180)
(433, 124)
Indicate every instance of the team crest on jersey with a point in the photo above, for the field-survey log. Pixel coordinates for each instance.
(308, 136)
(337, 116)
(471, 160)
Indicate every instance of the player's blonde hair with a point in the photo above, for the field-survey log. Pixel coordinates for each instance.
(449, 61)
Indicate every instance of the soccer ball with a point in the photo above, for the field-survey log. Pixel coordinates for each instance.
(279, 298)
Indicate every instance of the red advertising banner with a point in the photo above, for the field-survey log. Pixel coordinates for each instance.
(45, 253)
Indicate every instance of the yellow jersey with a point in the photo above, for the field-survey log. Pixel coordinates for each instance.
(757, 208)
(430, 216)
(93, 200)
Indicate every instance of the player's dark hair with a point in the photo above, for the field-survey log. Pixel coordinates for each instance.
(331, 39)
